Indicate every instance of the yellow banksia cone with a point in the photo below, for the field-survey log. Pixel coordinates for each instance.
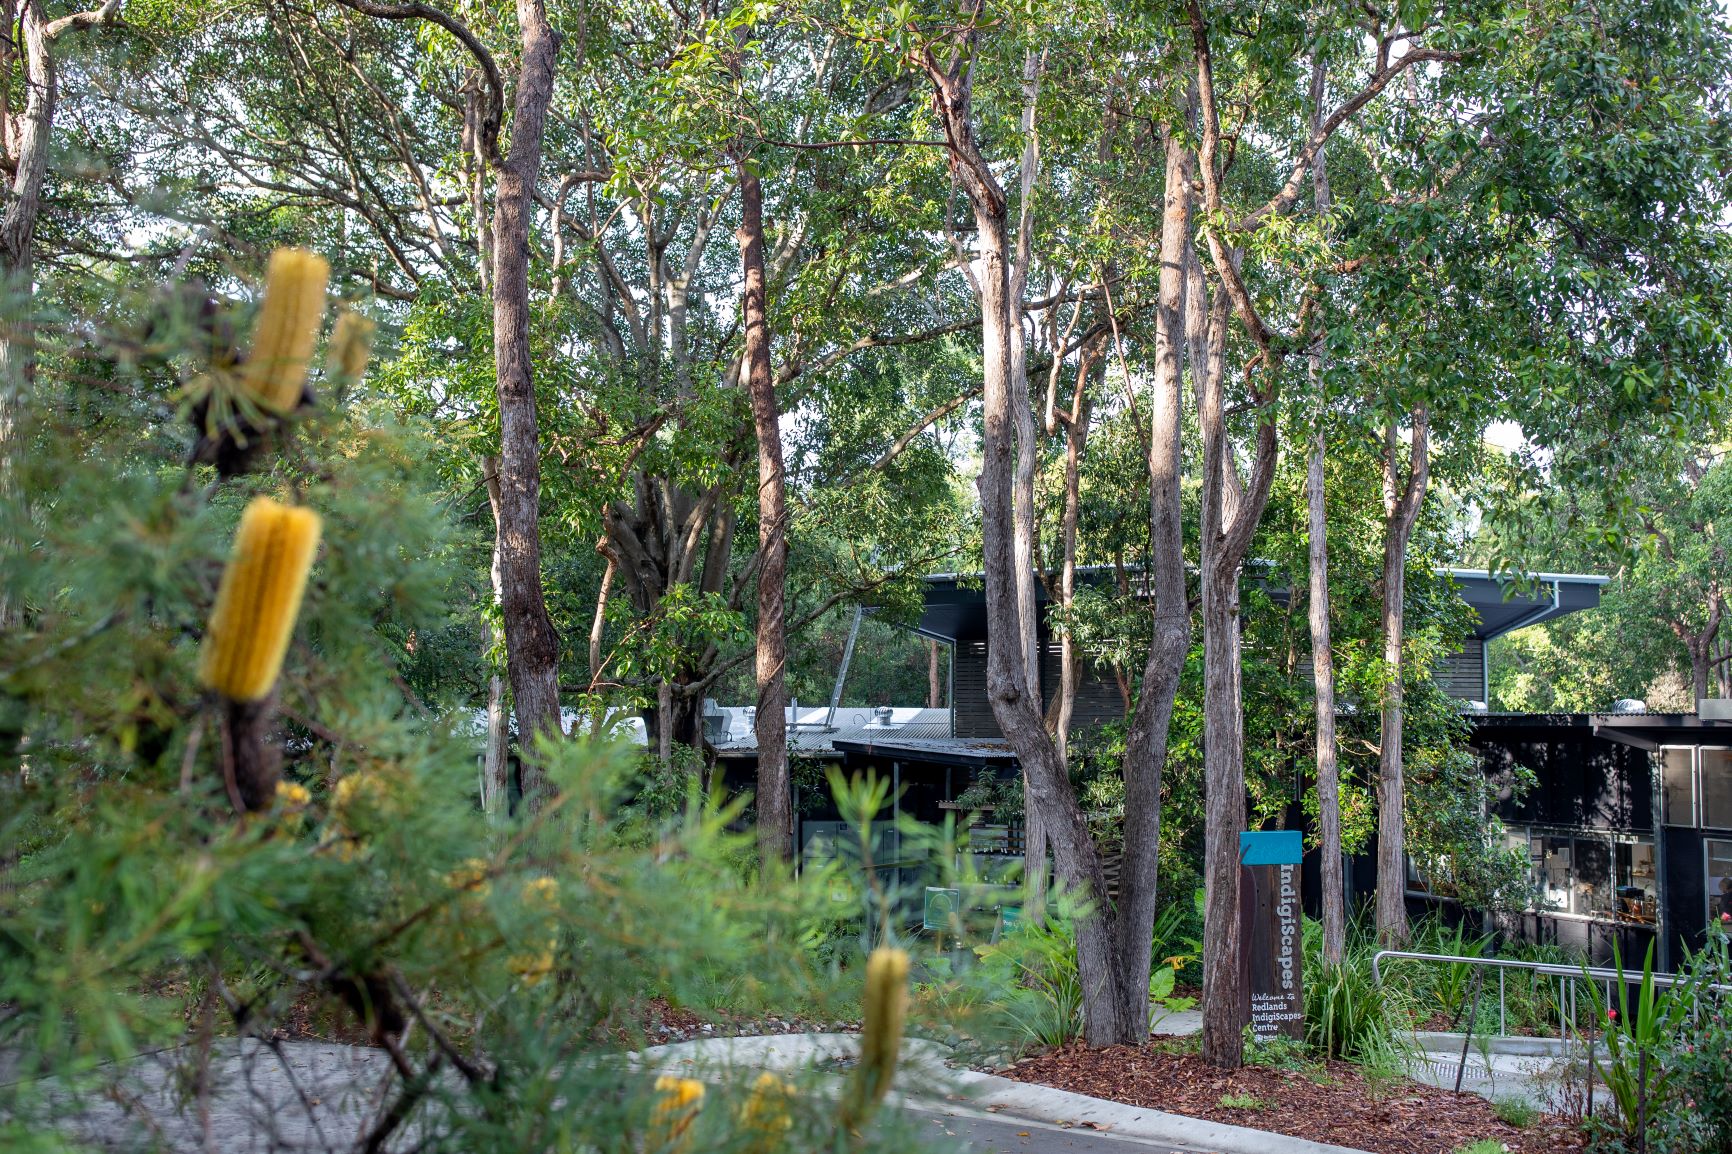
(678, 1101)
(766, 1115)
(351, 345)
(287, 329)
(884, 1010)
(258, 600)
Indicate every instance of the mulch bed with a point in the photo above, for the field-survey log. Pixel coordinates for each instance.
(1331, 1103)
(663, 1023)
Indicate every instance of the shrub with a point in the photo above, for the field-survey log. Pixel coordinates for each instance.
(1517, 1112)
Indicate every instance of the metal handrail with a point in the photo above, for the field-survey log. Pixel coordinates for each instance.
(1546, 969)
(1572, 974)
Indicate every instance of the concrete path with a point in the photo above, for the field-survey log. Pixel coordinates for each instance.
(1539, 1071)
(318, 1098)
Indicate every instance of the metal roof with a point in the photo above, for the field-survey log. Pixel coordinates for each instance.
(966, 751)
(809, 734)
(955, 608)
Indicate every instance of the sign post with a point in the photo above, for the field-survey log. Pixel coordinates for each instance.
(1272, 933)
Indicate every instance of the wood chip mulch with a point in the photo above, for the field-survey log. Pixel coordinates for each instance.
(1331, 1103)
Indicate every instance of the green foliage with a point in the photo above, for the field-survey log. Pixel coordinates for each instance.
(1517, 1112)
(1666, 1056)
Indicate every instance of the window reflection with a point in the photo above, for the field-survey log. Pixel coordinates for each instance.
(1597, 875)
(1678, 785)
(1719, 877)
(1717, 788)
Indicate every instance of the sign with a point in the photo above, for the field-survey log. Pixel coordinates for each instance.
(1272, 933)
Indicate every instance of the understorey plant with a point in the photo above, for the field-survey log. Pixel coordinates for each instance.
(1667, 1057)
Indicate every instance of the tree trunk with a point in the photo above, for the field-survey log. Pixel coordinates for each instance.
(496, 761)
(1402, 503)
(1075, 441)
(532, 648)
(1027, 604)
(934, 687)
(1322, 650)
(1323, 679)
(1231, 510)
(1019, 714)
(774, 795)
(1223, 766)
(1146, 743)
(31, 129)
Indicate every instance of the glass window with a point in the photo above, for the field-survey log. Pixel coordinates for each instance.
(1552, 872)
(1719, 877)
(1717, 788)
(1591, 892)
(1678, 785)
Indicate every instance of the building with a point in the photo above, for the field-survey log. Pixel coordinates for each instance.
(1628, 831)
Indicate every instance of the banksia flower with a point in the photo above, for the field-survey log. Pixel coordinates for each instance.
(885, 1008)
(258, 600)
(765, 1117)
(678, 1101)
(287, 329)
(351, 345)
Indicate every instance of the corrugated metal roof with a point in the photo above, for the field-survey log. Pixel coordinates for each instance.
(809, 733)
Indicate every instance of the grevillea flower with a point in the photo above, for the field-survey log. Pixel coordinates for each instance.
(287, 329)
(351, 344)
(678, 1101)
(884, 1007)
(765, 1117)
(259, 599)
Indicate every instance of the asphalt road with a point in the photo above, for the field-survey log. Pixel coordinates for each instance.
(997, 1134)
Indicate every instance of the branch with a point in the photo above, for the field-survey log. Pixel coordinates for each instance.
(494, 114)
(109, 13)
(798, 368)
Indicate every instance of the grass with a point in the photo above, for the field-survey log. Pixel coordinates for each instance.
(1483, 1146)
(1241, 1102)
(1517, 1112)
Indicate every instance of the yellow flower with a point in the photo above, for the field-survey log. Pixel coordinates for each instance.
(471, 875)
(287, 329)
(292, 795)
(351, 345)
(885, 1008)
(677, 1104)
(542, 892)
(259, 599)
(532, 967)
(765, 1117)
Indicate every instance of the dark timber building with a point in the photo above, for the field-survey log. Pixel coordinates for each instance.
(1628, 832)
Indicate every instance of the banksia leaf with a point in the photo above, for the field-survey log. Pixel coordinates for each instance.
(258, 599)
(351, 344)
(678, 1101)
(287, 329)
(885, 1008)
(766, 1115)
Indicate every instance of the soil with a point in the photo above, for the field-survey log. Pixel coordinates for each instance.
(1328, 1102)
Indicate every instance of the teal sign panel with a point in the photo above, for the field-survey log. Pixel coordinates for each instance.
(1271, 847)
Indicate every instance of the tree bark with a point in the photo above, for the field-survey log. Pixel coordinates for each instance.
(496, 760)
(1075, 441)
(774, 795)
(1231, 510)
(1027, 604)
(1151, 718)
(1402, 502)
(1019, 714)
(1322, 650)
(934, 686)
(532, 647)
